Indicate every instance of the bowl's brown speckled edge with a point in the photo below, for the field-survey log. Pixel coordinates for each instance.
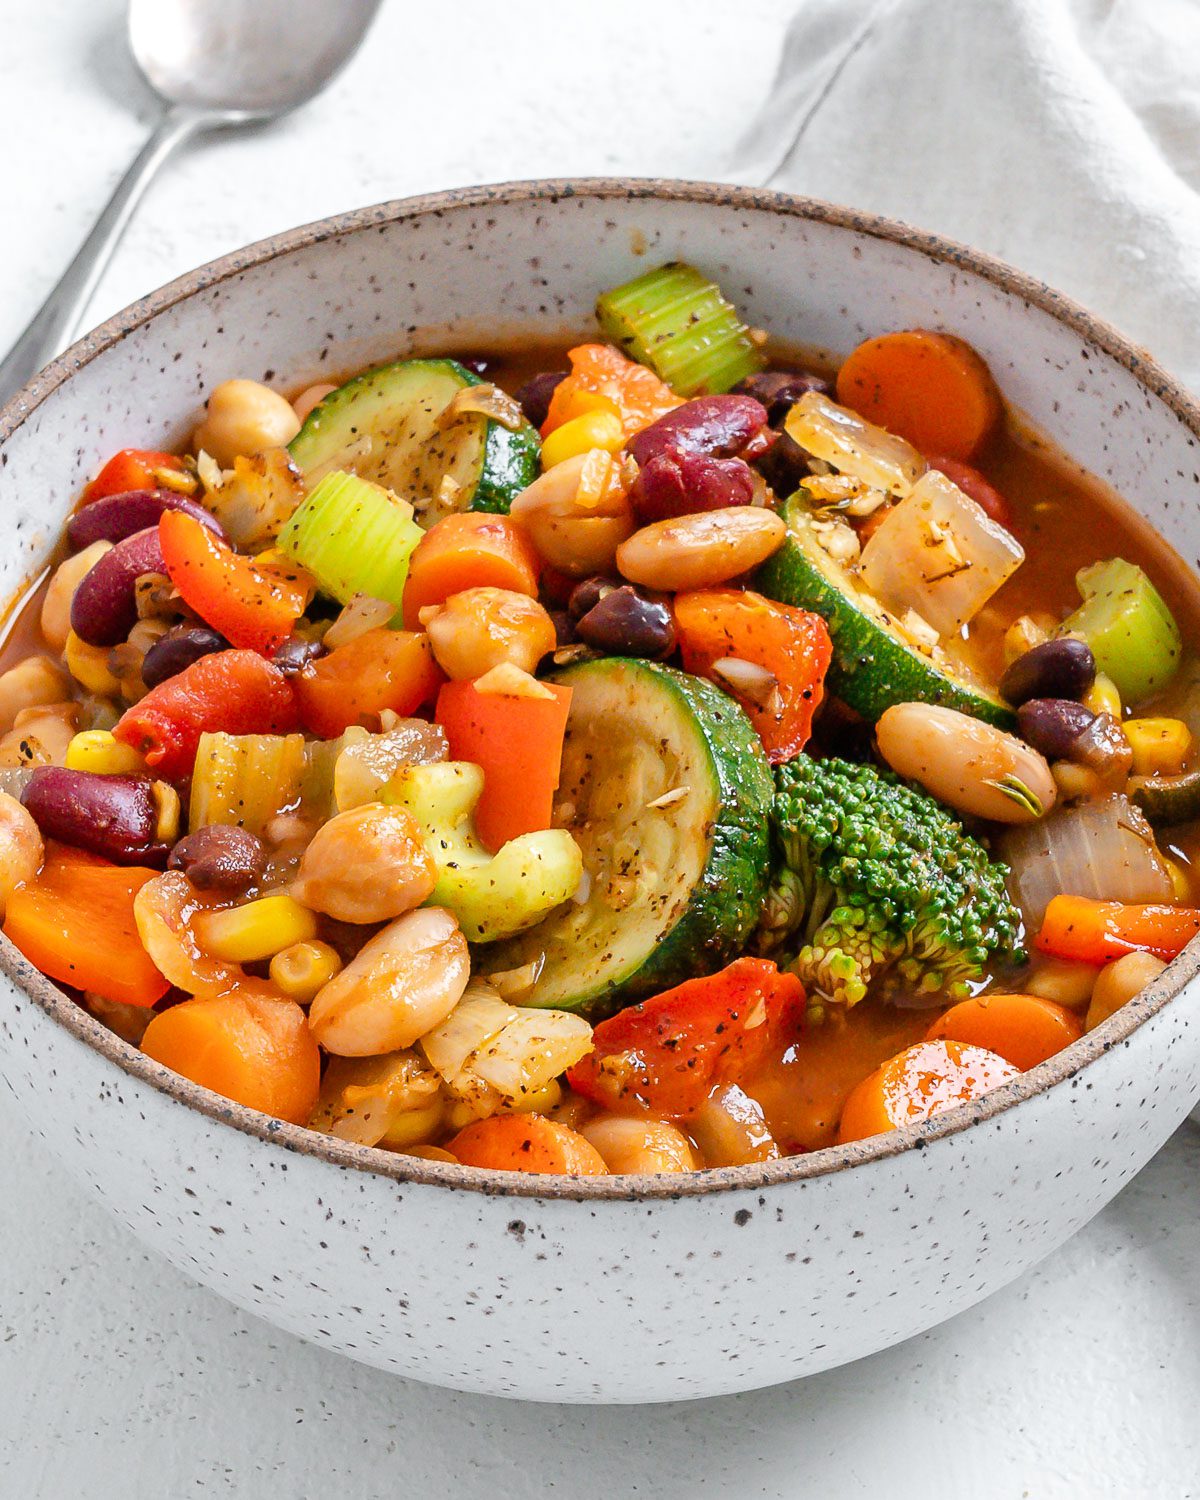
(1057, 1070)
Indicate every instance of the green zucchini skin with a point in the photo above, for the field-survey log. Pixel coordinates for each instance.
(872, 668)
(386, 401)
(697, 927)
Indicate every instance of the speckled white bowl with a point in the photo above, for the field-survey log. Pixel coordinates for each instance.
(611, 1289)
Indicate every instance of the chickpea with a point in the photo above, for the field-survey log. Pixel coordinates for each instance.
(971, 766)
(404, 982)
(33, 682)
(479, 629)
(244, 418)
(40, 736)
(1066, 981)
(312, 396)
(700, 550)
(21, 850)
(635, 1145)
(56, 606)
(576, 525)
(366, 865)
(1118, 982)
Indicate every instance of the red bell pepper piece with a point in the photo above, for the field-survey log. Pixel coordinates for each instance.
(233, 691)
(254, 607)
(790, 644)
(1097, 931)
(669, 1053)
(131, 469)
(519, 743)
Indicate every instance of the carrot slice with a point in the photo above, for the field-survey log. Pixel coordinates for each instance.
(253, 1049)
(1023, 1029)
(75, 923)
(519, 744)
(634, 392)
(468, 551)
(918, 1083)
(527, 1143)
(383, 669)
(1096, 931)
(930, 388)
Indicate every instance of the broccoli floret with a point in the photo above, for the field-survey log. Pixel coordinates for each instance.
(873, 879)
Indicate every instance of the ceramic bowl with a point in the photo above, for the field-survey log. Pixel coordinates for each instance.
(617, 1289)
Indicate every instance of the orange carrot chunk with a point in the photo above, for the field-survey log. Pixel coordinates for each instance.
(1097, 931)
(527, 1143)
(602, 378)
(930, 388)
(468, 551)
(75, 923)
(1023, 1029)
(383, 669)
(253, 1049)
(519, 743)
(918, 1083)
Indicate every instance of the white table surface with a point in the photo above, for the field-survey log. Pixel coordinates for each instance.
(119, 1377)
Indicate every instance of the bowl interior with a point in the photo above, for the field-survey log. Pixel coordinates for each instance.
(492, 264)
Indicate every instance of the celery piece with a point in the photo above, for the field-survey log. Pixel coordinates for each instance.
(1132, 633)
(246, 779)
(492, 895)
(676, 321)
(354, 537)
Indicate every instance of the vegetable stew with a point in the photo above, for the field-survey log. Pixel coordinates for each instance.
(659, 753)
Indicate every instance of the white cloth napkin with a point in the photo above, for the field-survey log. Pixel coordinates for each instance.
(1060, 135)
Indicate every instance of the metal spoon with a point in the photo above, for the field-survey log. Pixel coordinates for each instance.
(216, 64)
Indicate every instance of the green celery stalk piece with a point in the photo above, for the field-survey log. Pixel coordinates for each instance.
(1132, 633)
(354, 537)
(676, 321)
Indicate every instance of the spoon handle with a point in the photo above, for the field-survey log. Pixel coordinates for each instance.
(57, 321)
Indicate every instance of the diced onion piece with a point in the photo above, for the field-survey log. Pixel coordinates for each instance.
(362, 614)
(483, 401)
(475, 1020)
(254, 498)
(509, 681)
(534, 1047)
(843, 440)
(747, 679)
(1104, 850)
(515, 984)
(363, 1097)
(938, 553)
(365, 766)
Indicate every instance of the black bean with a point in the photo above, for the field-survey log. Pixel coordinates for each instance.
(784, 465)
(626, 623)
(115, 817)
(1053, 725)
(478, 364)
(296, 653)
(534, 396)
(1061, 668)
(220, 857)
(564, 627)
(779, 390)
(589, 592)
(179, 648)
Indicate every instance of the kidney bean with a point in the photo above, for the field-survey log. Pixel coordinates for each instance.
(1053, 725)
(680, 484)
(115, 817)
(1061, 668)
(779, 390)
(972, 483)
(178, 648)
(478, 364)
(295, 654)
(717, 426)
(587, 594)
(116, 517)
(534, 396)
(625, 623)
(104, 607)
(220, 857)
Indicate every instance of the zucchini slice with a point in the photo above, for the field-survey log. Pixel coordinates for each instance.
(666, 789)
(384, 426)
(874, 665)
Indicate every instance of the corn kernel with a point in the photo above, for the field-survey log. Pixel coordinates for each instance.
(89, 666)
(413, 1126)
(304, 968)
(1180, 881)
(166, 801)
(259, 929)
(1103, 697)
(96, 750)
(539, 1102)
(595, 429)
(1160, 746)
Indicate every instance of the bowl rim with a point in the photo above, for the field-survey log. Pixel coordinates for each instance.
(395, 1166)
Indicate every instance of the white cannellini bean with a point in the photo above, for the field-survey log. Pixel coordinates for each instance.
(56, 606)
(31, 683)
(701, 550)
(629, 1144)
(403, 983)
(20, 848)
(971, 766)
(244, 417)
